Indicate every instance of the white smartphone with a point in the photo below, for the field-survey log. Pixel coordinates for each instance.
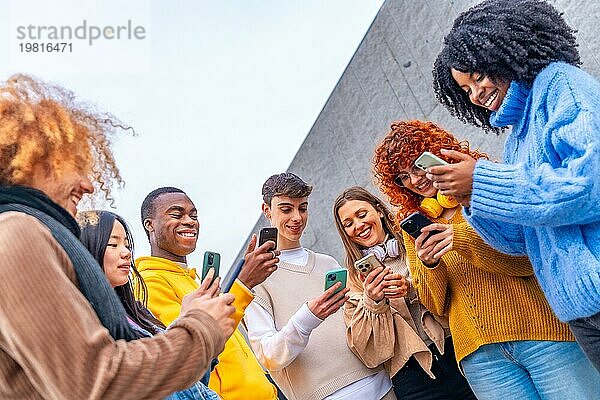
(427, 160)
(366, 264)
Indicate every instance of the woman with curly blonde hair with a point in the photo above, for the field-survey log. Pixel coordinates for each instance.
(64, 331)
(506, 338)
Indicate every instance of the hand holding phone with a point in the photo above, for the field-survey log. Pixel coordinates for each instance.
(334, 296)
(260, 262)
(218, 307)
(334, 276)
(267, 234)
(375, 283)
(430, 250)
(427, 160)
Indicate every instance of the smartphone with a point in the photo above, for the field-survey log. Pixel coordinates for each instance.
(414, 223)
(334, 276)
(427, 160)
(211, 260)
(367, 264)
(267, 234)
(231, 276)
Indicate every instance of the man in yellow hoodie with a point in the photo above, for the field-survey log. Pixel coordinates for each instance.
(171, 223)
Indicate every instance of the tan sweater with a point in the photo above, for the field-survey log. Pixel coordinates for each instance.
(490, 297)
(52, 345)
(326, 364)
(385, 332)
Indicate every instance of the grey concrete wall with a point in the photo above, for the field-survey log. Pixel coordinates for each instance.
(387, 79)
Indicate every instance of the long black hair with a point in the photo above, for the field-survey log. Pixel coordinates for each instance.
(507, 40)
(96, 227)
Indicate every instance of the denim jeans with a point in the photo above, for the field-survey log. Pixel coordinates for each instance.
(531, 370)
(412, 383)
(587, 333)
(196, 392)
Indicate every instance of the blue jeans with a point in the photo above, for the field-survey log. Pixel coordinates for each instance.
(531, 370)
(196, 392)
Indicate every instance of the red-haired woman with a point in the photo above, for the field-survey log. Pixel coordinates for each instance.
(506, 338)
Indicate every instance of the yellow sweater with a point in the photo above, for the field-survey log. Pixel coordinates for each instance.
(488, 296)
(238, 373)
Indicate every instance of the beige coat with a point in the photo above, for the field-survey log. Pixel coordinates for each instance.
(385, 333)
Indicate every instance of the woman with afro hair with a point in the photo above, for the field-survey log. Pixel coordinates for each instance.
(507, 341)
(515, 63)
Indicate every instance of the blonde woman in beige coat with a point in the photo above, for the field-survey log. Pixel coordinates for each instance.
(386, 323)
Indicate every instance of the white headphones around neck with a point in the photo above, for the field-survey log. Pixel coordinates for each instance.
(389, 248)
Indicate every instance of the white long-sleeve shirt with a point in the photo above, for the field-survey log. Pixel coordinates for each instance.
(277, 349)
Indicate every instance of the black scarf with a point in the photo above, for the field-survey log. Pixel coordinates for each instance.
(92, 281)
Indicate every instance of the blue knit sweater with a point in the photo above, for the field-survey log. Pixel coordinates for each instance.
(544, 200)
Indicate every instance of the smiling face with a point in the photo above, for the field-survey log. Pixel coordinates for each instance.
(417, 182)
(173, 227)
(65, 190)
(117, 256)
(362, 223)
(482, 91)
(289, 215)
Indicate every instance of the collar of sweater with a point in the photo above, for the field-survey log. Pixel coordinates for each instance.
(157, 263)
(512, 109)
(305, 269)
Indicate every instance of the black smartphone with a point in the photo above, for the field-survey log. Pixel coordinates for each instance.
(414, 223)
(211, 260)
(267, 234)
(231, 276)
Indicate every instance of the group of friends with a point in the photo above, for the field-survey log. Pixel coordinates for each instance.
(498, 298)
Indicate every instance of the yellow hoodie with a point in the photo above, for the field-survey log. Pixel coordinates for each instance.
(238, 373)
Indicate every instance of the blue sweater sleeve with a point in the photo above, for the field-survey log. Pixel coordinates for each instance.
(563, 190)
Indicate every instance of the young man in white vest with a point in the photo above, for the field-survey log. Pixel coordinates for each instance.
(291, 307)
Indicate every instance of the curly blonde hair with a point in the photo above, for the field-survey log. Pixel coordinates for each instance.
(399, 150)
(43, 125)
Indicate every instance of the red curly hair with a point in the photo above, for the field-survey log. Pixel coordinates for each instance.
(399, 150)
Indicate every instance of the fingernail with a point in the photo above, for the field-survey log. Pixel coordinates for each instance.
(443, 151)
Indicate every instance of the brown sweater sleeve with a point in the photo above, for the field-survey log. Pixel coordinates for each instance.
(53, 341)
(369, 329)
(471, 246)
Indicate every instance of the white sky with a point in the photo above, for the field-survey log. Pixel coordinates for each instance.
(220, 93)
